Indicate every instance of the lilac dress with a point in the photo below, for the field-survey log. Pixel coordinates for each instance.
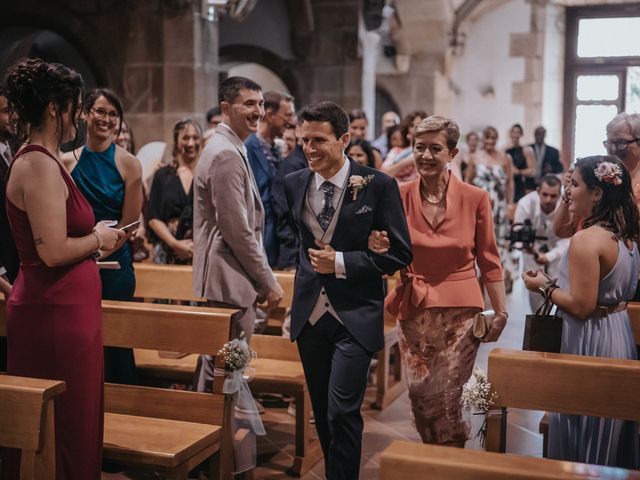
(591, 439)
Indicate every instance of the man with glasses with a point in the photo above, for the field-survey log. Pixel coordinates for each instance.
(264, 158)
(623, 137)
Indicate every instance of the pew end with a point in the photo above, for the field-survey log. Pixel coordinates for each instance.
(30, 424)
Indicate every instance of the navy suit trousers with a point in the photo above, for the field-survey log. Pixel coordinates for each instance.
(336, 369)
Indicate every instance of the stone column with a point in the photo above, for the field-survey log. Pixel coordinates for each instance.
(170, 71)
(370, 46)
(530, 46)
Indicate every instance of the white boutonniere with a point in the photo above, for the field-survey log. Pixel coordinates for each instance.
(358, 183)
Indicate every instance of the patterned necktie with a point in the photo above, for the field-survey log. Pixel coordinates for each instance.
(325, 216)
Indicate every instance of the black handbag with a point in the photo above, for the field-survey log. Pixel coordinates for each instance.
(542, 330)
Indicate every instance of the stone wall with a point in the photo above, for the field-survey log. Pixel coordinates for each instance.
(332, 69)
(159, 56)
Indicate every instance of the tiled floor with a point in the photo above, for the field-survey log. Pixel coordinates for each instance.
(275, 451)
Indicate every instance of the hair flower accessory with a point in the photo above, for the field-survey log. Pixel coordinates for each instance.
(608, 172)
(358, 183)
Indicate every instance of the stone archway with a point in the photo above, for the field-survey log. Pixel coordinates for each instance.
(20, 42)
(234, 56)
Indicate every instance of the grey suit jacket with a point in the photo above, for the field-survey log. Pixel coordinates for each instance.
(229, 261)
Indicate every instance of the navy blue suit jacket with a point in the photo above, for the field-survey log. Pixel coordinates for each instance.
(358, 299)
(286, 230)
(264, 174)
(551, 161)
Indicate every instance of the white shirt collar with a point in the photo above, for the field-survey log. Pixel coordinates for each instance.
(338, 179)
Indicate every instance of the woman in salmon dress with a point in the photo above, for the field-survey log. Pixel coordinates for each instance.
(54, 319)
(451, 230)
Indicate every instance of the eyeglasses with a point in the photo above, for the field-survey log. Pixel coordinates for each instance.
(434, 150)
(619, 145)
(101, 114)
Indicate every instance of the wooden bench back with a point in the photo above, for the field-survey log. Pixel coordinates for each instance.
(554, 382)
(171, 282)
(165, 327)
(199, 330)
(274, 347)
(412, 461)
(175, 282)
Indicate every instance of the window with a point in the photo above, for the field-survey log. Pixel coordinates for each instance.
(602, 74)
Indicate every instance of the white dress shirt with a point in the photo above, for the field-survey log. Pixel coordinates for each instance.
(316, 198)
(528, 208)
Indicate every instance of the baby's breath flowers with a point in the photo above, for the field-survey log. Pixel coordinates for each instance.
(237, 353)
(478, 398)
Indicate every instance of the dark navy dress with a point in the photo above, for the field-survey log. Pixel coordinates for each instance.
(99, 180)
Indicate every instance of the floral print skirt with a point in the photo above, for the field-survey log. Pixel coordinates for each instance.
(438, 351)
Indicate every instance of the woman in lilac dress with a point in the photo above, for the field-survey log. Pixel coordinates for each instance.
(598, 275)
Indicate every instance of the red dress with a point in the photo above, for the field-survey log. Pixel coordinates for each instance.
(54, 331)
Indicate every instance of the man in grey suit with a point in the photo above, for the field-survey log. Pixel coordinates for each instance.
(230, 266)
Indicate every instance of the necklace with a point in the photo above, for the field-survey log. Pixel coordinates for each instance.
(423, 191)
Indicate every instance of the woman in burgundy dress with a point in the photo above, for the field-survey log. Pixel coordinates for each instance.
(53, 311)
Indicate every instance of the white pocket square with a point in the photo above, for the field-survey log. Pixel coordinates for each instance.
(364, 209)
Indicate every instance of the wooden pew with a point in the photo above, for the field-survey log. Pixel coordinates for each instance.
(633, 309)
(169, 431)
(174, 282)
(573, 384)
(166, 431)
(390, 376)
(27, 423)
(415, 461)
(278, 369)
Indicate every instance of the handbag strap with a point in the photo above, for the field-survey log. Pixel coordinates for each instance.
(545, 308)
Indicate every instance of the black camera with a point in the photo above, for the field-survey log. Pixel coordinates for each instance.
(523, 235)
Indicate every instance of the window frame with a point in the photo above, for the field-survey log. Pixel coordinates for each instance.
(576, 66)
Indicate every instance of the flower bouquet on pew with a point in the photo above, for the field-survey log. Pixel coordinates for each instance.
(477, 399)
(237, 356)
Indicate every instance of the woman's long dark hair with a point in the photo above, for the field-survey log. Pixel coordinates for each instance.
(617, 210)
(366, 148)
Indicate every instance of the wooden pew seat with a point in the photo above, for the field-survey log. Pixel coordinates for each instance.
(277, 370)
(415, 461)
(155, 441)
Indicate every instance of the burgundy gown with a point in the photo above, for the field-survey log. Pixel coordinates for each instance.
(54, 331)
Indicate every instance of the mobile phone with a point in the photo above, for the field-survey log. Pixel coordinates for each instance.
(109, 265)
(130, 227)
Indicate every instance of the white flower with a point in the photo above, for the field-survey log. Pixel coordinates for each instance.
(358, 183)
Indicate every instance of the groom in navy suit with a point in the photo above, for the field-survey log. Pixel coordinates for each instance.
(337, 311)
